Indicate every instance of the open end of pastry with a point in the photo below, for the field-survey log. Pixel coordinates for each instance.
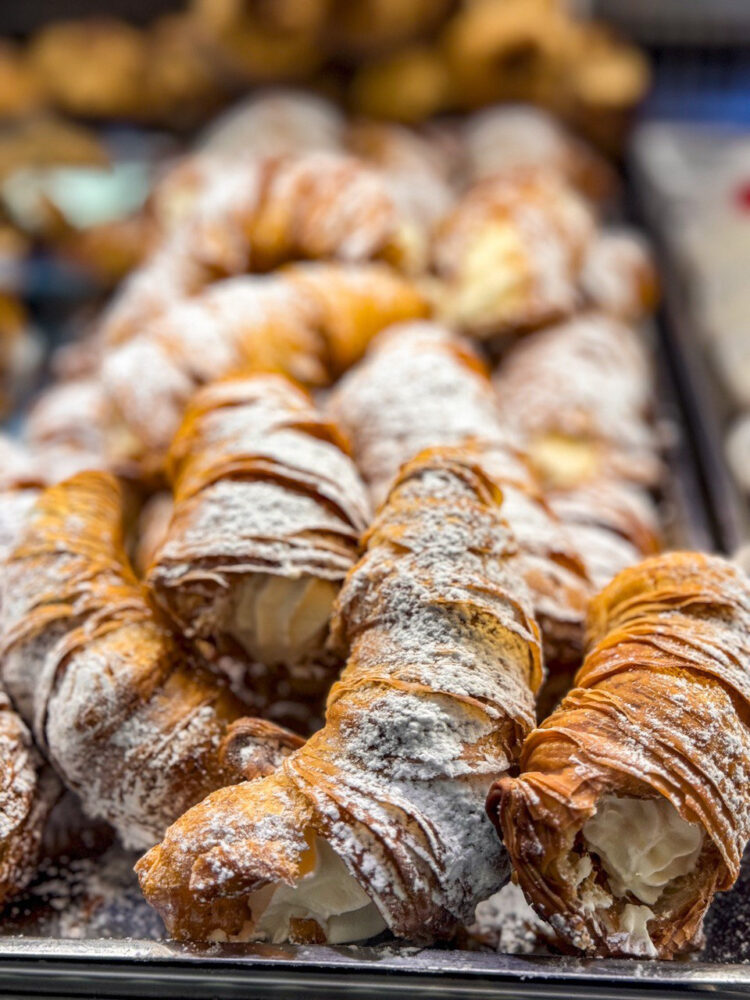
(493, 285)
(643, 846)
(562, 462)
(281, 620)
(326, 904)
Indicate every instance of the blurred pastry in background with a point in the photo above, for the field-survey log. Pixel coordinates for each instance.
(257, 46)
(93, 67)
(275, 123)
(409, 85)
(21, 90)
(509, 253)
(20, 351)
(514, 50)
(506, 137)
(619, 275)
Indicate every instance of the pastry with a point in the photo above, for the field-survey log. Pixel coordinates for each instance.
(321, 205)
(510, 137)
(254, 215)
(631, 807)
(268, 509)
(416, 169)
(593, 422)
(310, 322)
(131, 720)
(612, 523)
(92, 68)
(618, 275)
(419, 386)
(275, 123)
(378, 820)
(510, 252)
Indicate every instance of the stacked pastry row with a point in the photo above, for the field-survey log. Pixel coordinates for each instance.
(502, 507)
(406, 64)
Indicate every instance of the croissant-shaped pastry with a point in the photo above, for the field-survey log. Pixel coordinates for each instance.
(130, 720)
(420, 386)
(268, 513)
(319, 206)
(510, 252)
(310, 321)
(28, 791)
(592, 423)
(618, 275)
(378, 820)
(631, 809)
(510, 137)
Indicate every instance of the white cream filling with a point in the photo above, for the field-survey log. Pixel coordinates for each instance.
(494, 277)
(563, 461)
(634, 924)
(278, 619)
(329, 895)
(643, 844)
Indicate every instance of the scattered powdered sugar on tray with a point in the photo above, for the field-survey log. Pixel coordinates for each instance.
(84, 898)
(506, 923)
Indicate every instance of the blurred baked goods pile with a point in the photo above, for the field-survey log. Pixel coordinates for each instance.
(383, 58)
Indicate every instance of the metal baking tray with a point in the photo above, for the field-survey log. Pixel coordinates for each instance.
(96, 937)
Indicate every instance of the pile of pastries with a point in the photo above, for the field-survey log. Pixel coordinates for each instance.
(403, 61)
(333, 572)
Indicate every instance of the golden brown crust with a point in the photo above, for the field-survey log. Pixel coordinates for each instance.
(264, 492)
(660, 710)
(443, 660)
(420, 386)
(510, 252)
(130, 719)
(309, 321)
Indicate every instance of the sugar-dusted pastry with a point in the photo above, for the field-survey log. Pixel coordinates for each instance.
(261, 42)
(311, 321)
(378, 820)
(631, 808)
(510, 252)
(579, 396)
(20, 352)
(28, 791)
(78, 415)
(275, 123)
(612, 523)
(420, 386)
(268, 510)
(510, 137)
(416, 170)
(129, 718)
(319, 206)
(618, 275)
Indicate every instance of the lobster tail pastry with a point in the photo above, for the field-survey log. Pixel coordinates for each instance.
(268, 512)
(378, 820)
(309, 321)
(631, 807)
(420, 386)
(132, 722)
